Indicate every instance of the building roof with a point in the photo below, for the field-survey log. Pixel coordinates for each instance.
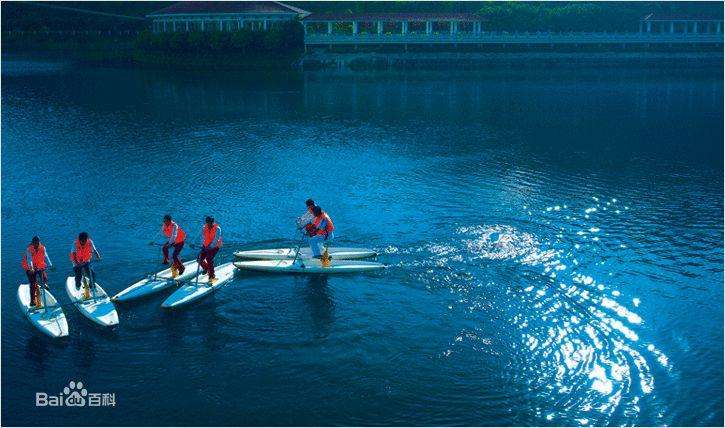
(228, 7)
(680, 17)
(323, 17)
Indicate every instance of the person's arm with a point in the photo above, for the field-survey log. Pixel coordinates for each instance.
(218, 236)
(72, 255)
(47, 259)
(174, 233)
(29, 259)
(304, 219)
(95, 251)
(323, 226)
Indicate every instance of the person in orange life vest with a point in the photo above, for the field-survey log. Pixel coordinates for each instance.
(321, 231)
(80, 255)
(211, 242)
(35, 260)
(305, 220)
(175, 237)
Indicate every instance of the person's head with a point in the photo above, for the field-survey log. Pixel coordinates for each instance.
(35, 241)
(209, 220)
(310, 204)
(167, 219)
(83, 237)
(317, 211)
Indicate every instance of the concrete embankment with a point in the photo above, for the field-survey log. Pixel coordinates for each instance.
(480, 60)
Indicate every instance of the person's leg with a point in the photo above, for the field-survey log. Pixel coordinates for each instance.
(177, 260)
(40, 279)
(202, 261)
(316, 245)
(86, 268)
(328, 241)
(210, 261)
(165, 251)
(78, 270)
(33, 286)
(91, 276)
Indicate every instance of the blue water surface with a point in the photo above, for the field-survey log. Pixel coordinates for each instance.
(554, 236)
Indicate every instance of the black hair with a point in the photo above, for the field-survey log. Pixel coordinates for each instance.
(35, 240)
(209, 219)
(310, 202)
(317, 210)
(83, 236)
(167, 217)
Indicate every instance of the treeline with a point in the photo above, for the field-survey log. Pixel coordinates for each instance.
(287, 38)
(508, 16)
(584, 16)
(534, 16)
(75, 40)
(76, 16)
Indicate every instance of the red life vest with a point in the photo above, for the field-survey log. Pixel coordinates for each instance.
(82, 253)
(169, 229)
(329, 227)
(209, 233)
(36, 256)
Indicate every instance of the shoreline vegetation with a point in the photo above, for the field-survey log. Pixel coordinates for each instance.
(103, 39)
(278, 48)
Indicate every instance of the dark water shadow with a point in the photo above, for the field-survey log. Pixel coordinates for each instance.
(318, 296)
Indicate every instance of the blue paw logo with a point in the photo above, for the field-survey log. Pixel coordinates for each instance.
(75, 394)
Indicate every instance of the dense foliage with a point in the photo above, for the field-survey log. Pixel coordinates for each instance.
(583, 16)
(510, 16)
(75, 16)
(535, 16)
(286, 39)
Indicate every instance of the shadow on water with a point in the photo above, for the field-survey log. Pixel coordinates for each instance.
(84, 348)
(40, 349)
(318, 296)
(201, 319)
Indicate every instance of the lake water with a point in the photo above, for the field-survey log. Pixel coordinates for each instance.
(554, 236)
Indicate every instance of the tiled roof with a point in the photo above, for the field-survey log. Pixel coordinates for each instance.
(394, 17)
(195, 7)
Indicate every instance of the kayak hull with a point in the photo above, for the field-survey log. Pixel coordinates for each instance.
(154, 284)
(309, 266)
(200, 287)
(50, 320)
(98, 308)
(337, 253)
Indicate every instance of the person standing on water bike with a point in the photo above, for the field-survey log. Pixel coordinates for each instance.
(34, 263)
(211, 242)
(321, 230)
(306, 219)
(80, 255)
(175, 237)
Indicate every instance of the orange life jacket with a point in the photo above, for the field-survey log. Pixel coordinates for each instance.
(329, 227)
(82, 253)
(209, 234)
(169, 229)
(36, 256)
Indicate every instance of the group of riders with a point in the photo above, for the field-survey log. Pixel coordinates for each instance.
(315, 223)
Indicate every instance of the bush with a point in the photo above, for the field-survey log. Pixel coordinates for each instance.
(285, 39)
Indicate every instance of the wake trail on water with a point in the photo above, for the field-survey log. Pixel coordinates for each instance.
(577, 347)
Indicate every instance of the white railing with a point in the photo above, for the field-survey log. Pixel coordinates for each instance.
(514, 38)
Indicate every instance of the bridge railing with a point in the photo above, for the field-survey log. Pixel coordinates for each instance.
(504, 37)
